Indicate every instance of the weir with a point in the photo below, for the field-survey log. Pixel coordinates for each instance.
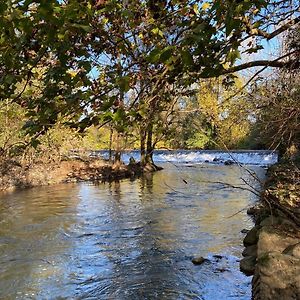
(245, 157)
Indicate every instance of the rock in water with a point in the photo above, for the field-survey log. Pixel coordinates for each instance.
(251, 237)
(198, 260)
(250, 251)
(247, 265)
(217, 256)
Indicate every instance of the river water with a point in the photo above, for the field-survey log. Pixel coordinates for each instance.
(132, 239)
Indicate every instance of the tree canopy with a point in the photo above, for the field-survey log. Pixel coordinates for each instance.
(123, 62)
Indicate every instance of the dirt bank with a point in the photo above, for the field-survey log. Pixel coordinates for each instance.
(14, 175)
(272, 252)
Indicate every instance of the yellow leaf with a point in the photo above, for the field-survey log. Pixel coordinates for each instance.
(72, 73)
(254, 31)
(225, 65)
(196, 9)
(61, 36)
(205, 5)
(157, 31)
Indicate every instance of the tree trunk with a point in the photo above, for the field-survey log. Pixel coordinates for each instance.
(110, 143)
(149, 149)
(117, 160)
(143, 134)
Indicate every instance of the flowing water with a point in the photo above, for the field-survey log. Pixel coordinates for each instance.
(252, 157)
(132, 239)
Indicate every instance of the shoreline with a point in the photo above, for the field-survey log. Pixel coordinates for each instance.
(14, 176)
(272, 246)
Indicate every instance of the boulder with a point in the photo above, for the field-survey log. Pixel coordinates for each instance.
(271, 239)
(247, 265)
(277, 277)
(250, 251)
(251, 237)
(270, 221)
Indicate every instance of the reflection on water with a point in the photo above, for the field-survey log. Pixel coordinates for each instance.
(127, 240)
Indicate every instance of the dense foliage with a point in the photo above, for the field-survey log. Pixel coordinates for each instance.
(135, 67)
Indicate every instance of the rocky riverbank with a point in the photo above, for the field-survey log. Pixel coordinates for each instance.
(272, 252)
(14, 175)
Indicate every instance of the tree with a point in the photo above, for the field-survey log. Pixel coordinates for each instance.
(277, 113)
(94, 54)
(217, 116)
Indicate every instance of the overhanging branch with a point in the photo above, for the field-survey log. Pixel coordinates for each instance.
(277, 63)
(269, 36)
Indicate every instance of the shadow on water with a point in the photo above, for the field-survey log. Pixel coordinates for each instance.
(128, 239)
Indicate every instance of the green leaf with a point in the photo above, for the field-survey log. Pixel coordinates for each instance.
(233, 55)
(108, 103)
(166, 54)
(61, 36)
(9, 79)
(86, 65)
(187, 58)
(108, 116)
(119, 118)
(124, 83)
(232, 24)
(34, 143)
(57, 9)
(154, 55)
(3, 7)
(84, 27)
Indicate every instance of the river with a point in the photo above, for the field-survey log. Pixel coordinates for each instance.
(132, 239)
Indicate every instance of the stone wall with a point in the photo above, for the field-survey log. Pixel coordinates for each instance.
(272, 246)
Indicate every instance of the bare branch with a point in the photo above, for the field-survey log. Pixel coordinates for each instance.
(276, 32)
(276, 63)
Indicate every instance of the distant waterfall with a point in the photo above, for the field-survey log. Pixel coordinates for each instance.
(246, 157)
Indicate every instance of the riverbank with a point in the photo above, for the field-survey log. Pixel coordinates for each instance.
(15, 176)
(272, 252)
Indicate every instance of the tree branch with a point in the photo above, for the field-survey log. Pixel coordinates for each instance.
(277, 63)
(276, 32)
